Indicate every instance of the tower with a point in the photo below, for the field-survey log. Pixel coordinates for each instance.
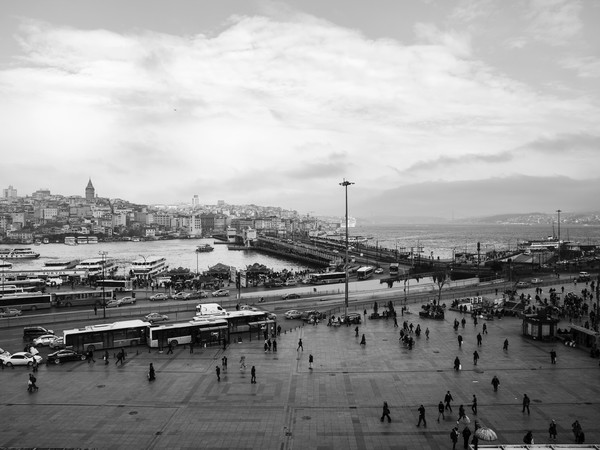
(90, 192)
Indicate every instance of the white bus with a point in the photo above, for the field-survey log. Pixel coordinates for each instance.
(110, 335)
(209, 331)
(394, 269)
(365, 272)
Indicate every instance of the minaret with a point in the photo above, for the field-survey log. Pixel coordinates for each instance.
(90, 192)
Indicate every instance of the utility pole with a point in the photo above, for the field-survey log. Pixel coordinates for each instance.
(558, 211)
(103, 254)
(346, 184)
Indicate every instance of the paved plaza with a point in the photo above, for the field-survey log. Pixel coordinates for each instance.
(336, 405)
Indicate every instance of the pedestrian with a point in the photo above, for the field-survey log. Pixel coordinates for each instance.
(505, 346)
(35, 365)
(466, 434)
(576, 427)
(224, 363)
(365, 314)
(170, 348)
(441, 411)
(474, 405)
(191, 347)
(386, 412)
(242, 362)
(300, 345)
(495, 383)
(447, 399)
(484, 328)
(463, 322)
(274, 345)
(90, 356)
(528, 438)
(526, 402)
(123, 354)
(460, 340)
(363, 341)
(422, 416)
(356, 332)
(454, 437)
(253, 375)
(95, 310)
(31, 386)
(269, 343)
(106, 357)
(266, 346)
(310, 361)
(457, 365)
(151, 373)
(475, 357)
(479, 339)
(218, 370)
(427, 332)
(119, 358)
(475, 440)
(461, 413)
(553, 356)
(552, 430)
(395, 322)
(278, 330)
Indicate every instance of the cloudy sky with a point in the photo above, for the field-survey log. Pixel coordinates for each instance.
(445, 108)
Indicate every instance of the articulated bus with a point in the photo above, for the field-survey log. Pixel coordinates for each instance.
(80, 298)
(364, 273)
(117, 285)
(206, 332)
(394, 269)
(111, 335)
(26, 301)
(327, 277)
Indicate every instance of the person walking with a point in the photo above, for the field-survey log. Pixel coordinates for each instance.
(31, 386)
(454, 437)
(218, 370)
(552, 430)
(461, 413)
(466, 434)
(427, 332)
(242, 363)
(495, 383)
(119, 358)
(553, 356)
(363, 340)
(447, 399)
(253, 375)
(106, 357)
(456, 363)
(484, 328)
(441, 411)
(386, 412)
(356, 332)
(474, 405)
(460, 341)
(479, 339)
(300, 345)
(422, 416)
(151, 373)
(191, 347)
(170, 350)
(90, 356)
(528, 438)
(475, 357)
(310, 361)
(274, 345)
(526, 402)
(224, 363)
(505, 346)
(576, 427)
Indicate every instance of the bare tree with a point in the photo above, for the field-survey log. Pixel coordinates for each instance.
(440, 278)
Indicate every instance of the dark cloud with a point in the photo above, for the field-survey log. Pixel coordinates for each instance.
(446, 162)
(579, 142)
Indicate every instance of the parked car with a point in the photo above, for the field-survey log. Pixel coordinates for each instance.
(59, 342)
(30, 333)
(155, 317)
(271, 316)
(157, 297)
(114, 303)
(292, 314)
(126, 301)
(306, 315)
(221, 293)
(4, 353)
(273, 283)
(182, 296)
(200, 294)
(378, 271)
(10, 312)
(21, 359)
(522, 284)
(290, 296)
(536, 281)
(248, 308)
(54, 282)
(352, 318)
(44, 339)
(290, 282)
(64, 355)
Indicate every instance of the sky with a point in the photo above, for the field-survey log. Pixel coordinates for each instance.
(439, 108)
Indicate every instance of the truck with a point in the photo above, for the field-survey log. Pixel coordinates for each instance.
(209, 309)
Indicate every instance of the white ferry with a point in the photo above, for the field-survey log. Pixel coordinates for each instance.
(149, 267)
(5, 265)
(82, 240)
(18, 253)
(92, 239)
(94, 266)
(70, 240)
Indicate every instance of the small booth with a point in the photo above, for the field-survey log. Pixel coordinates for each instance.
(540, 327)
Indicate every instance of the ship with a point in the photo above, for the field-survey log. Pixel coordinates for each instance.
(204, 248)
(148, 267)
(18, 253)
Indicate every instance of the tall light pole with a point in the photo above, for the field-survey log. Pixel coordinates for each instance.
(147, 275)
(558, 211)
(103, 254)
(346, 183)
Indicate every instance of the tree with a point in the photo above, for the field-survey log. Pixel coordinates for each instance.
(440, 278)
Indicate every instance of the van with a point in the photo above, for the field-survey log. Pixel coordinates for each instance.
(209, 309)
(584, 276)
(30, 333)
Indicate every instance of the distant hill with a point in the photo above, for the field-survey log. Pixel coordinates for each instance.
(587, 218)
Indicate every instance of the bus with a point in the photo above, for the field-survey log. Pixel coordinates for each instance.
(26, 284)
(206, 332)
(117, 285)
(28, 301)
(246, 323)
(364, 273)
(394, 269)
(110, 335)
(327, 278)
(81, 298)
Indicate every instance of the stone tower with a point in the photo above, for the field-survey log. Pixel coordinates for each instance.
(90, 192)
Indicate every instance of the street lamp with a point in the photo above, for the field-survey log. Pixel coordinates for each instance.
(103, 254)
(346, 183)
(147, 275)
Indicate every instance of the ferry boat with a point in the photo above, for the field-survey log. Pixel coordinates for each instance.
(70, 240)
(18, 253)
(149, 267)
(92, 239)
(204, 248)
(82, 240)
(5, 265)
(58, 263)
(95, 266)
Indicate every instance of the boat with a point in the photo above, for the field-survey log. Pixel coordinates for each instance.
(18, 253)
(149, 267)
(45, 241)
(70, 240)
(5, 265)
(92, 239)
(96, 266)
(59, 263)
(82, 240)
(204, 248)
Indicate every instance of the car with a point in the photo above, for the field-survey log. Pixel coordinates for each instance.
(181, 296)
(59, 342)
(583, 276)
(126, 301)
(21, 359)
(307, 315)
(290, 282)
(378, 271)
(30, 333)
(54, 282)
(522, 284)
(271, 316)
(157, 297)
(155, 317)
(10, 312)
(114, 303)
(273, 283)
(200, 294)
(351, 318)
(44, 339)
(220, 293)
(290, 296)
(4, 353)
(64, 355)
(248, 308)
(292, 314)
(536, 281)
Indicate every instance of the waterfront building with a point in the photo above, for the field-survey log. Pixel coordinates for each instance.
(90, 192)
